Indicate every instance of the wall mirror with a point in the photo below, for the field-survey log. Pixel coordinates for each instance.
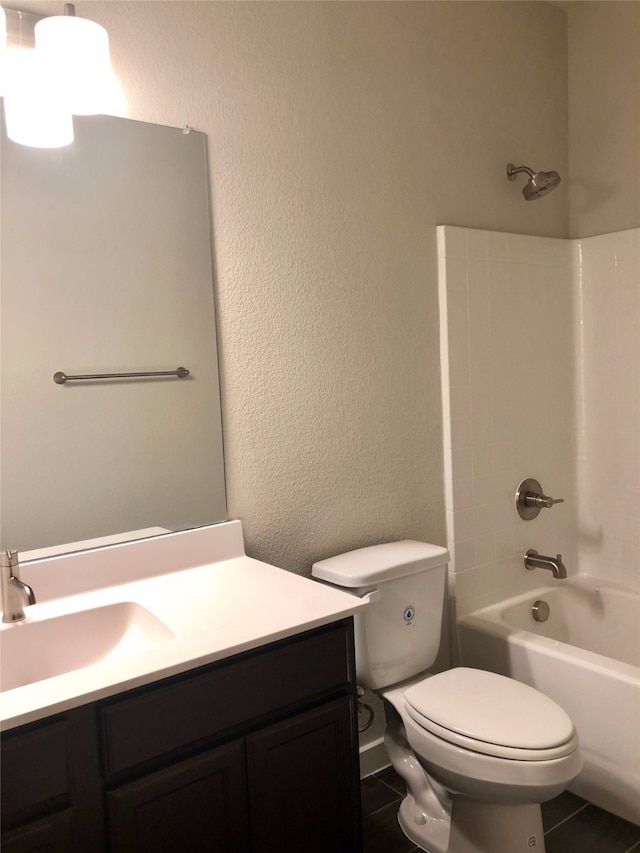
(106, 267)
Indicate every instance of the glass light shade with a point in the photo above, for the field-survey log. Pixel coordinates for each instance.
(32, 113)
(76, 54)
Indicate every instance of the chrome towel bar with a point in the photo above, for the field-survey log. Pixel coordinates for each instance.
(60, 378)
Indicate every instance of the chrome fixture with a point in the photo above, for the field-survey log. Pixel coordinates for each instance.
(539, 183)
(530, 499)
(540, 610)
(533, 560)
(60, 378)
(14, 591)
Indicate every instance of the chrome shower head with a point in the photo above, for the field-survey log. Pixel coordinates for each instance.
(539, 183)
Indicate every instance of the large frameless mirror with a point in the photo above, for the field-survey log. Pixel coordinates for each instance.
(106, 268)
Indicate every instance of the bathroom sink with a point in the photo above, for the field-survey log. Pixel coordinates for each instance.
(33, 651)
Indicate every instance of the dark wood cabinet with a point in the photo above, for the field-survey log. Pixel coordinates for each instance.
(199, 805)
(300, 782)
(256, 753)
(51, 787)
(52, 834)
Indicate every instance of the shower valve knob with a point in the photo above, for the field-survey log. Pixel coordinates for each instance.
(530, 499)
(541, 501)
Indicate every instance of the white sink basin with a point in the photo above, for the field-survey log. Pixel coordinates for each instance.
(33, 651)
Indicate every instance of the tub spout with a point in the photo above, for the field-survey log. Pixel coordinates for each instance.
(533, 560)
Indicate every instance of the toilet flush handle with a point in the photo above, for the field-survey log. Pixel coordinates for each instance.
(367, 597)
(371, 597)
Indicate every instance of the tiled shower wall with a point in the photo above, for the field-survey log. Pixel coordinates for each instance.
(541, 378)
(608, 418)
(507, 342)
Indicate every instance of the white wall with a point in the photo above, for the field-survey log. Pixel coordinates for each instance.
(340, 135)
(608, 417)
(507, 338)
(604, 170)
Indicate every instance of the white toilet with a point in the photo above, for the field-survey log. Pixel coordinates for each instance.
(479, 752)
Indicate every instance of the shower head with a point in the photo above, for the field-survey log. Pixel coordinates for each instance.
(539, 183)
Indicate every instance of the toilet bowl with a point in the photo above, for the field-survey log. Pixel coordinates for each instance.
(478, 751)
(490, 748)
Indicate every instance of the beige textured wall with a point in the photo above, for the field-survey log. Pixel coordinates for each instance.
(340, 135)
(604, 116)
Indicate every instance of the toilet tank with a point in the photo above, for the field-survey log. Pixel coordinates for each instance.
(398, 634)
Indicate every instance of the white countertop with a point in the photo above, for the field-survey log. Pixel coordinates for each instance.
(215, 600)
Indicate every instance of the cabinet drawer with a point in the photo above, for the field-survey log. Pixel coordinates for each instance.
(36, 771)
(191, 708)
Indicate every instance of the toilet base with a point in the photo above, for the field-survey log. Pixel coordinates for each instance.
(474, 827)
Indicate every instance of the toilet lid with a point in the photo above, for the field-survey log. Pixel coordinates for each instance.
(468, 705)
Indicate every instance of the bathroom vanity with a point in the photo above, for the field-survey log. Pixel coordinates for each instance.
(237, 733)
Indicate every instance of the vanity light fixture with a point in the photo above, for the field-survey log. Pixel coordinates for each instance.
(32, 113)
(76, 53)
(55, 67)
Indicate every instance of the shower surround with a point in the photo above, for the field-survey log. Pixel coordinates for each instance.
(540, 353)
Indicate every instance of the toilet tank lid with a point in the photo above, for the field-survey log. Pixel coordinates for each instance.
(378, 563)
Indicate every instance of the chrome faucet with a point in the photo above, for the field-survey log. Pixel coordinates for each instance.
(533, 560)
(14, 591)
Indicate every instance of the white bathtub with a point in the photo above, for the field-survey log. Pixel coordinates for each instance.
(586, 656)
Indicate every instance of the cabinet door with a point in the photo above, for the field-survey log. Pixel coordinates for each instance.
(52, 768)
(49, 835)
(304, 792)
(197, 805)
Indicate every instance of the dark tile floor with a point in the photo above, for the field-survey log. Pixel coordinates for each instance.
(571, 825)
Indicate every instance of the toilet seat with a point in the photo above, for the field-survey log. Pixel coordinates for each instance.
(467, 770)
(490, 714)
